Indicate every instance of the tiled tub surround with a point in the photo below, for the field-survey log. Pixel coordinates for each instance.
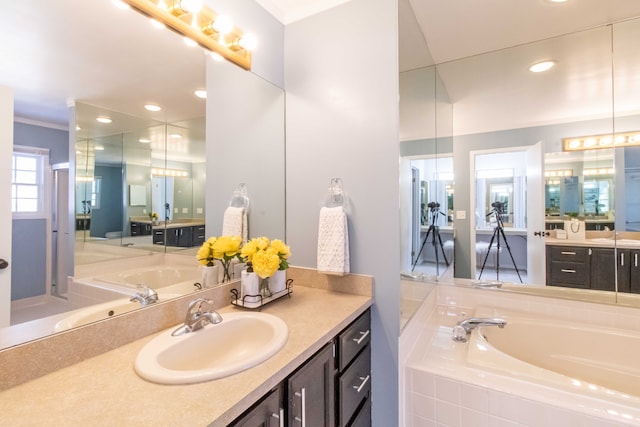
(442, 387)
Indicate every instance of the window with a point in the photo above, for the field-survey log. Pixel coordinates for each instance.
(27, 184)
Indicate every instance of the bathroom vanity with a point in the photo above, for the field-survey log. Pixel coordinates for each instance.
(594, 264)
(318, 321)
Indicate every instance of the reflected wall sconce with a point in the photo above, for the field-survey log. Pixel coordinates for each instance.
(169, 172)
(558, 173)
(598, 171)
(201, 25)
(593, 142)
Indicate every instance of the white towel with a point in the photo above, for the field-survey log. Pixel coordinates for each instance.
(234, 223)
(333, 241)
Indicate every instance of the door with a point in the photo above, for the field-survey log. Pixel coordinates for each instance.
(507, 200)
(535, 216)
(6, 155)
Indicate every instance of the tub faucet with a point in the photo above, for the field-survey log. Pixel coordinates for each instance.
(465, 326)
(196, 318)
(146, 296)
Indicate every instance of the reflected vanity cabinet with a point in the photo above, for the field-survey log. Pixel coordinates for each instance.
(593, 268)
(332, 388)
(140, 228)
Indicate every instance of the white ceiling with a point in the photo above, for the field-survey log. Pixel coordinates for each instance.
(57, 51)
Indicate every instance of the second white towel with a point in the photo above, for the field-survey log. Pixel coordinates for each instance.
(333, 241)
(234, 223)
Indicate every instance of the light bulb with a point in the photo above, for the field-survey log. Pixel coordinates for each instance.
(152, 107)
(104, 119)
(222, 24)
(201, 93)
(191, 6)
(248, 41)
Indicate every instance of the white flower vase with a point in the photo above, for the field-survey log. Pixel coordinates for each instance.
(278, 282)
(210, 276)
(249, 286)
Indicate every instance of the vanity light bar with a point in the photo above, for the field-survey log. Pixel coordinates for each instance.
(593, 142)
(169, 172)
(598, 171)
(199, 25)
(557, 173)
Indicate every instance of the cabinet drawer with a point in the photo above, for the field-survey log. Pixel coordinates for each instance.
(355, 386)
(569, 254)
(363, 418)
(569, 273)
(353, 339)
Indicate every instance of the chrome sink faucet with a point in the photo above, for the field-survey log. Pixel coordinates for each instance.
(196, 318)
(464, 327)
(146, 296)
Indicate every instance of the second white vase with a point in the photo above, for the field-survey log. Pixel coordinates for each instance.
(210, 276)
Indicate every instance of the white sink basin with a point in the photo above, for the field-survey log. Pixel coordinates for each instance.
(242, 340)
(105, 310)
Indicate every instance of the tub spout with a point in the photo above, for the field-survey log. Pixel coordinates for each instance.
(465, 326)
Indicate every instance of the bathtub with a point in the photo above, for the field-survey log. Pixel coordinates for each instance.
(535, 371)
(586, 359)
(154, 277)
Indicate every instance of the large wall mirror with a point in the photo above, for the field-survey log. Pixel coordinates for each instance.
(545, 164)
(144, 162)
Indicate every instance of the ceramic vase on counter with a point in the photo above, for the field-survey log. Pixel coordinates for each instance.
(210, 276)
(277, 282)
(250, 286)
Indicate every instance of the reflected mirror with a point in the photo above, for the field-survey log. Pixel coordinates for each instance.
(117, 167)
(573, 186)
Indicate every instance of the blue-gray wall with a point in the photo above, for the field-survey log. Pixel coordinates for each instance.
(28, 275)
(29, 253)
(103, 220)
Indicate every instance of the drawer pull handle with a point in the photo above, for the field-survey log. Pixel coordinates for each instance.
(566, 270)
(280, 417)
(359, 340)
(568, 253)
(358, 388)
(635, 260)
(622, 259)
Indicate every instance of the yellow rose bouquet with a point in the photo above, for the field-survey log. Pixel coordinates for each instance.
(266, 257)
(224, 249)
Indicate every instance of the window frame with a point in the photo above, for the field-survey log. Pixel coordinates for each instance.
(42, 163)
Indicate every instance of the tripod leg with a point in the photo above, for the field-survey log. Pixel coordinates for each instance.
(493, 236)
(435, 249)
(442, 248)
(510, 254)
(421, 248)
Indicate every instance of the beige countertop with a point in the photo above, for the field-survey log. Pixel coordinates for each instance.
(105, 390)
(594, 243)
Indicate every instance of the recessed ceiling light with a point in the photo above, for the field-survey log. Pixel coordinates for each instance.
(175, 136)
(104, 119)
(144, 140)
(556, 1)
(78, 127)
(201, 93)
(98, 148)
(153, 107)
(542, 66)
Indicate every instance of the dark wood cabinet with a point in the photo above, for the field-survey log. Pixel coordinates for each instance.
(332, 388)
(603, 269)
(595, 268)
(141, 229)
(311, 391)
(634, 271)
(268, 412)
(184, 237)
(568, 266)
